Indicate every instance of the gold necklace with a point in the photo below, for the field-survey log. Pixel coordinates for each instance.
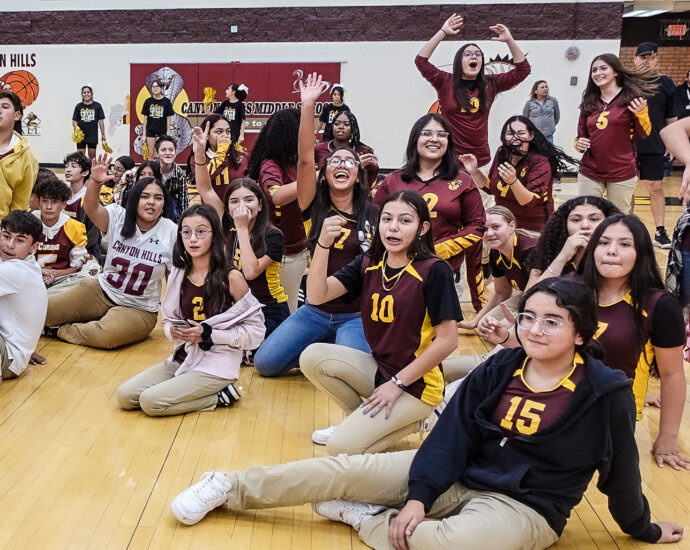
(394, 278)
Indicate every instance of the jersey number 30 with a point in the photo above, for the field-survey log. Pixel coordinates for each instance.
(139, 277)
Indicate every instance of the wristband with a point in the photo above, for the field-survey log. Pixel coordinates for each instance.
(398, 383)
(200, 163)
(322, 246)
(206, 342)
(444, 32)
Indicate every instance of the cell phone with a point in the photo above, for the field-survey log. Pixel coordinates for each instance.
(179, 323)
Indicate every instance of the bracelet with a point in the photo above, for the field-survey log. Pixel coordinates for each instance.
(444, 32)
(398, 383)
(322, 246)
(96, 182)
(504, 341)
(200, 163)
(548, 268)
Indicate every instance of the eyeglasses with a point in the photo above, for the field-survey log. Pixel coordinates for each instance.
(469, 55)
(337, 162)
(431, 133)
(548, 326)
(200, 233)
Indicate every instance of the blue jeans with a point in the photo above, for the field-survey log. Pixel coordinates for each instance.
(685, 289)
(281, 350)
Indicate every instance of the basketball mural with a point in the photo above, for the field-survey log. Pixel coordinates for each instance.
(24, 84)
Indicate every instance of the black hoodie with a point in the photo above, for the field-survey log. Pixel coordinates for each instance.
(548, 471)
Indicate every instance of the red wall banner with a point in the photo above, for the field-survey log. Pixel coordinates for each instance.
(272, 86)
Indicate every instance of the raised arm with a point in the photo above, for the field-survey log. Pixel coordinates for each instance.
(320, 287)
(306, 174)
(92, 206)
(675, 138)
(201, 175)
(451, 27)
(503, 35)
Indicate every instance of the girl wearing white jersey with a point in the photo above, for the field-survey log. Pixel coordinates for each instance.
(121, 306)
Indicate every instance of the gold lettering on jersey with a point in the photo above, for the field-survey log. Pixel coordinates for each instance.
(600, 329)
(345, 232)
(382, 311)
(474, 106)
(198, 303)
(527, 412)
(523, 172)
(454, 185)
(502, 188)
(602, 121)
(431, 200)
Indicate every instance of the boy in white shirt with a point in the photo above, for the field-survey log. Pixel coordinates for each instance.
(23, 297)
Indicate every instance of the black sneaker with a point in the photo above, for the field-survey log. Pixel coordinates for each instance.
(50, 332)
(661, 239)
(247, 358)
(227, 396)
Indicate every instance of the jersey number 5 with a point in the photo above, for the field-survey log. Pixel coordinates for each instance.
(382, 311)
(602, 121)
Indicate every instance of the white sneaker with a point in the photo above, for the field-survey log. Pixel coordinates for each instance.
(320, 437)
(450, 390)
(192, 504)
(347, 511)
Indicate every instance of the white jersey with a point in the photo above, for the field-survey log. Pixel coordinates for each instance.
(23, 307)
(135, 267)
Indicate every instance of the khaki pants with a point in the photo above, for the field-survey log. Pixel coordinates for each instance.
(291, 270)
(470, 519)
(346, 375)
(61, 284)
(619, 193)
(88, 318)
(458, 367)
(158, 392)
(5, 362)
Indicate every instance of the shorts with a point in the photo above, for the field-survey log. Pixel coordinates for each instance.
(156, 135)
(85, 144)
(650, 166)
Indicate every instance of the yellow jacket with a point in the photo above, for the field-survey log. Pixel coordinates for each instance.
(17, 177)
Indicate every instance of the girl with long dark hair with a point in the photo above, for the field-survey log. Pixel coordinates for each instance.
(505, 465)
(409, 312)
(467, 94)
(121, 306)
(613, 108)
(255, 246)
(346, 134)
(521, 176)
(432, 169)
(330, 112)
(273, 165)
(339, 195)
(210, 315)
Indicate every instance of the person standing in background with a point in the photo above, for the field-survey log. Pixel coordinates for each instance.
(650, 151)
(544, 112)
(330, 113)
(682, 98)
(88, 116)
(157, 112)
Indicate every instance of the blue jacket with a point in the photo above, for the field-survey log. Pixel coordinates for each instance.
(548, 471)
(544, 116)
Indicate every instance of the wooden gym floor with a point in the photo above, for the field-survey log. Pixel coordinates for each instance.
(76, 472)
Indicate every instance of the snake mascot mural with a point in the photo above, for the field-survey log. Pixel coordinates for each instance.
(173, 86)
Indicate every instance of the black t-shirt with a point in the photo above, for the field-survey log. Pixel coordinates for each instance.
(439, 289)
(668, 326)
(328, 115)
(234, 113)
(87, 117)
(157, 110)
(661, 106)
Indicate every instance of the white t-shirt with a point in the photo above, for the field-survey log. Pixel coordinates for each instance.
(23, 307)
(135, 267)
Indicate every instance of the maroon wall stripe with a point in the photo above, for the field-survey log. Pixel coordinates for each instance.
(538, 21)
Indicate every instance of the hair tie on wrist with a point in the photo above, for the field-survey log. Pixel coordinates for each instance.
(322, 246)
(504, 341)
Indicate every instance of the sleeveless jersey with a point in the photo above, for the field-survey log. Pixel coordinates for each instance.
(135, 266)
(397, 325)
(515, 268)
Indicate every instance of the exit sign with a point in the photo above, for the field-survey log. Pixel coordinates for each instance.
(674, 29)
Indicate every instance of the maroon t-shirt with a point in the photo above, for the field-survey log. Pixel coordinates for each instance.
(287, 217)
(191, 307)
(534, 172)
(522, 410)
(610, 130)
(515, 268)
(325, 148)
(455, 206)
(470, 129)
(223, 172)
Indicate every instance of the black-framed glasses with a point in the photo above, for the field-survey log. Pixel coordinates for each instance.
(337, 162)
(469, 55)
(547, 325)
(199, 233)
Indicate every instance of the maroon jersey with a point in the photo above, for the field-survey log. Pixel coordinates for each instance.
(325, 148)
(397, 325)
(617, 334)
(223, 171)
(192, 300)
(75, 206)
(287, 217)
(65, 248)
(534, 172)
(610, 130)
(470, 129)
(522, 410)
(514, 268)
(455, 206)
(344, 249)
(266, 287)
